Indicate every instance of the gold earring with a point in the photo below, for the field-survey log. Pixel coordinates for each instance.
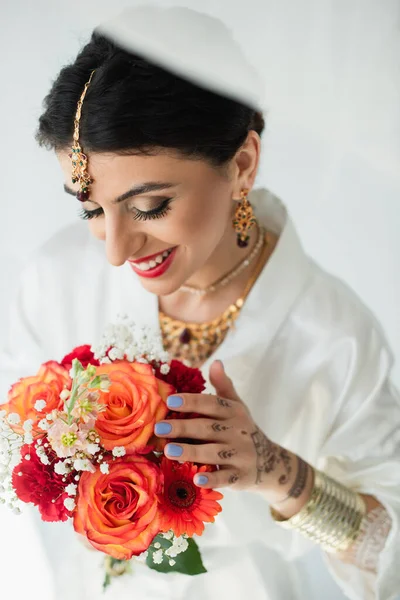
(244, 220)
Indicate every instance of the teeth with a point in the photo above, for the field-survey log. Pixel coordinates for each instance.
(145, 266)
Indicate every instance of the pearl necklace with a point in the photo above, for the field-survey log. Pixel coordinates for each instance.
(236, 271)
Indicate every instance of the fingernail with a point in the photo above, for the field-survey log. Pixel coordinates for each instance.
(173, 450)
(162, 428)
(174, 401)
(201, 479)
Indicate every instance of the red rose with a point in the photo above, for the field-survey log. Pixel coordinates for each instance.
(184, 379)
(84, 354)
(40, 484)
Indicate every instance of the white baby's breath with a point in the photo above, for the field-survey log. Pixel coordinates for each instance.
(158, 557)
(61, 467)
(27, 425)
(44, 424)
(119, 451)
(13, 418)
(104, 468)
(69, 504)
(71, 489)
(40, 405)
(83, 464)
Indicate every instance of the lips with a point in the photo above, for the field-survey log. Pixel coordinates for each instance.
(158, 270)
(147, 258)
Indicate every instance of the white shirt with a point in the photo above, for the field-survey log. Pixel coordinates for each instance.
(312, 364)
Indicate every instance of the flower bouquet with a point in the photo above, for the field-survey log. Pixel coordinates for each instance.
(76, 440)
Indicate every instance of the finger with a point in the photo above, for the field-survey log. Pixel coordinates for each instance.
(221, 382)
(203, 404)
(204, 454)
(194, 429)
(225, 477)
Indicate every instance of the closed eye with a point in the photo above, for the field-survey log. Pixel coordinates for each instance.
(138, 215)
(90, 214)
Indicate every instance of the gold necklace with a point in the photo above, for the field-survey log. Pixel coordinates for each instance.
(196, 342)
(235, 272)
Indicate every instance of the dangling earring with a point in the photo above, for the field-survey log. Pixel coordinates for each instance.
(244, 220)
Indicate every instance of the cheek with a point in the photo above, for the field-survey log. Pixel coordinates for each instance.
(209, 213)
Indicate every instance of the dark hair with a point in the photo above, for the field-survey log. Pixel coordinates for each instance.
(133, 106)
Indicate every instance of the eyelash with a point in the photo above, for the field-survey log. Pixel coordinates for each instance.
(140, 215)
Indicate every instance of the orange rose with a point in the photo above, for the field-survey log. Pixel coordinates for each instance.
(134, 402)
(118, 511)
(47, 385)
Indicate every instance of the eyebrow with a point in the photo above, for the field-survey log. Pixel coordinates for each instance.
(137, 190)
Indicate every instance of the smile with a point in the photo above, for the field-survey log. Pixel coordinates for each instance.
(156, 265)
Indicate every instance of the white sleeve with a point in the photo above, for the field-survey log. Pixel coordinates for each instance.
(362, 451)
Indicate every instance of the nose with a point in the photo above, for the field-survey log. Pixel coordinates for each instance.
(122, 241)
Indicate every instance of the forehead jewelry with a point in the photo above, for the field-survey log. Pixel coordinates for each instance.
(78, 158)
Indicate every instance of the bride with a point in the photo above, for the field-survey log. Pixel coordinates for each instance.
(299, 415)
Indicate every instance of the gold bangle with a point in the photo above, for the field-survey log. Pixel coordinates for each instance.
(332, 516)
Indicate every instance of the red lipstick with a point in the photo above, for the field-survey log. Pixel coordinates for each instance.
(158, 270)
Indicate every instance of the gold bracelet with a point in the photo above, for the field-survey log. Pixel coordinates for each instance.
(332, 516)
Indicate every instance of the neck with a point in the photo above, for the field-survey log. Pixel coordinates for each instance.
(225, 257)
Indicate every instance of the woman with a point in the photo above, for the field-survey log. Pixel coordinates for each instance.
(300, 415)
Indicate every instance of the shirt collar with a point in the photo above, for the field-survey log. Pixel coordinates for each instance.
(272, 297)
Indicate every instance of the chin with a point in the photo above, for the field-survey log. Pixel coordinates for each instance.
(162, 288)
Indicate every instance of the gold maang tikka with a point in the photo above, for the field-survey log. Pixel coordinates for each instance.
(79, 160)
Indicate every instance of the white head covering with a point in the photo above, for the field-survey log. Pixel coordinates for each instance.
(190, 44)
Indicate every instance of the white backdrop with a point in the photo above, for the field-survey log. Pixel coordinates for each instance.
(331, 150)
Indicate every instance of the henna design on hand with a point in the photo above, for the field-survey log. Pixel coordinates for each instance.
(220, 427)
(233, 478)
(300, 481)
(287, 460)
(226, 454)
(267, 454)
(223, 402)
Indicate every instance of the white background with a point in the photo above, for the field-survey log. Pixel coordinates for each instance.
(331, 149)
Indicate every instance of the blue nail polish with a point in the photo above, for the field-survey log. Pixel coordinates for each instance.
(201, 480)
(162, 428)
(174, 450)
(174, 401)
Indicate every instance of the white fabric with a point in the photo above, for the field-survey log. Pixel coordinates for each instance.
(310, 361)
(191, 44)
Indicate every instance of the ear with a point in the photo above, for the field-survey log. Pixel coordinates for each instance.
(246, 162)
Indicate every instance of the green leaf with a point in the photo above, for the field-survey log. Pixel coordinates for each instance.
(188, 562)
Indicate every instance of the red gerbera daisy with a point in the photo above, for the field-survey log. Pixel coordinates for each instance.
(184, 506)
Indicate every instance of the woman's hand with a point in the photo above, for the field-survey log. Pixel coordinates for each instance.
(246, 458)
